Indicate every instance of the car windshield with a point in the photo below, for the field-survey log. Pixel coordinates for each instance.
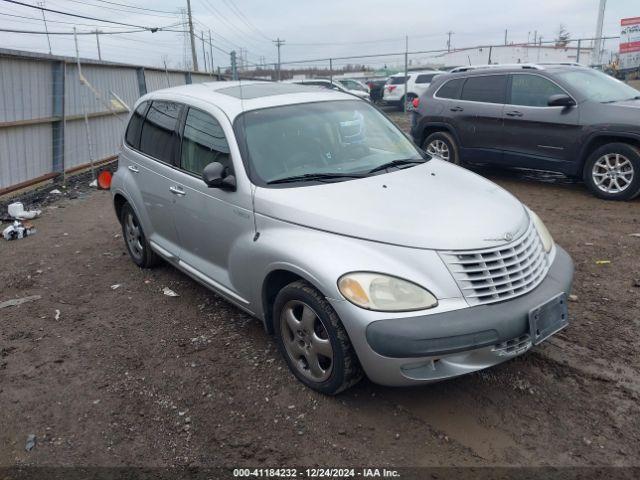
(353, 85)
(598, 86)
(330, 139)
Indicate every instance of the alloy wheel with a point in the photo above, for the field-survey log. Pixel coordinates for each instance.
(438, 148)
(612, 173)
(306, 341)
(133, 236)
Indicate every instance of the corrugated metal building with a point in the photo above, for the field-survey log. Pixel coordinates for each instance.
(43, 106)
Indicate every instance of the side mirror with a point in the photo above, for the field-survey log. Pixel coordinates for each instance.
(561, 100)
(216, 175)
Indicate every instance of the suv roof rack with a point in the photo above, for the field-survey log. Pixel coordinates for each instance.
(524, 66)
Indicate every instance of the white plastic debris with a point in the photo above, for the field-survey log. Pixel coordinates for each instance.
(55, 191)
(19, 301)
(94, 184)
(169, 293)
(16, 210)
(115, 286)
(57, 315)
(18, 230)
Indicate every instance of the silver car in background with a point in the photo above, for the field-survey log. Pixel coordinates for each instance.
(313, 212)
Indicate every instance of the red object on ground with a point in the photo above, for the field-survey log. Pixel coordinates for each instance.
(104, 179)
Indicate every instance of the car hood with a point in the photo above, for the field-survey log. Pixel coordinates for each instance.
(436, 205)
(625, 113)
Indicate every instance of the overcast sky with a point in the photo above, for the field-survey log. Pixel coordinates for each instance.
(311, 29)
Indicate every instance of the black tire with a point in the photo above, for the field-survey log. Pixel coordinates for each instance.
(448, 140)
(345, 368)
(141, 255)
(595, 171)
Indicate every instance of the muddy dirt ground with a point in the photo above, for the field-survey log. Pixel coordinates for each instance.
(120, 376)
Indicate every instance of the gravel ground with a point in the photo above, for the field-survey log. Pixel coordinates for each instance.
(106, 370)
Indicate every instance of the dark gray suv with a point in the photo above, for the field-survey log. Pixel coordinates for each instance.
(560, 118)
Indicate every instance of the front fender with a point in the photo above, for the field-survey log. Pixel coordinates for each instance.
(322, 258)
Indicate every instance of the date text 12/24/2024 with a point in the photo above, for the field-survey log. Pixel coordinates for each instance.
(315, 473)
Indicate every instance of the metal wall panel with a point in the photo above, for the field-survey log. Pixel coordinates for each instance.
(26, 89)
(25, 153)
(106, 138)
(79, 98)
(201, 78)
(157, 79)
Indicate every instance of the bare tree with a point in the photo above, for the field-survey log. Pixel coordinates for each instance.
(563, 37)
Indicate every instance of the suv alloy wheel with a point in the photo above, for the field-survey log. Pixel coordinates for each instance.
(612, 172)
(442, 145)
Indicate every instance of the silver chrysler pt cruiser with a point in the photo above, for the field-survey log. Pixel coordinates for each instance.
(310, 210)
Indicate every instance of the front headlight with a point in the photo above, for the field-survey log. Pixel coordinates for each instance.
(376, 291)
(545, 236)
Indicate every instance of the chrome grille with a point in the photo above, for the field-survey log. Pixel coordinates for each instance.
(499, 273)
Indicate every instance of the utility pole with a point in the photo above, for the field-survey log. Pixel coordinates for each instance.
(194, 56)
(234, 66)
(278, 43)
(406, 72)
(98, 43)
(44, 19)
(449, 33)
(210, 53)
(597, 48)
(204, 55)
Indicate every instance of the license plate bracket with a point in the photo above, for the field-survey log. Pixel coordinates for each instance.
(548, 318)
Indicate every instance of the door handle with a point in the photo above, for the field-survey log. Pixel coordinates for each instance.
(133, 169)
(514, 113)
(177, 191)
(457, 109)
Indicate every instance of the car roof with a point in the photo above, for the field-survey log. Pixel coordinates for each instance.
(516, 67)
(415, 72)
(240, 96)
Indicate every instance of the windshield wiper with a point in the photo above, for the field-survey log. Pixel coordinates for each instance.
(395, 163)
(307, 177)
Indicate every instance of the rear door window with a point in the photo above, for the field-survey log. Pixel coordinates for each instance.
(159, 135)
(451, 89)
(203, 142)
(532, 90)
(485, 88)
(397, 80)
(132, 137)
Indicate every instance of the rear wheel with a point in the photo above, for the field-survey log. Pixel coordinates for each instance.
(443, 146)
(612, 172)
(313, 341)
(135, 239)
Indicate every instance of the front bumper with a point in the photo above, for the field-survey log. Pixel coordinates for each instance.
(402, 351)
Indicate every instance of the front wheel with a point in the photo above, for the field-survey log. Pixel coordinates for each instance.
(612, 172)
(313, 341)
(443, 146)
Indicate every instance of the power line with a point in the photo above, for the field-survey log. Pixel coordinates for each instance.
(152, 29)
(39, 21)
(93, 32)
(136, 7)
(87, 4)
(234, 8)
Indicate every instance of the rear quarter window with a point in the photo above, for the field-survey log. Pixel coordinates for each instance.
(426, 77)
(451, 89)
(132, 135)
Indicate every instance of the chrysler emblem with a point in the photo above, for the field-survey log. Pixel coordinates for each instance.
(507, 237)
